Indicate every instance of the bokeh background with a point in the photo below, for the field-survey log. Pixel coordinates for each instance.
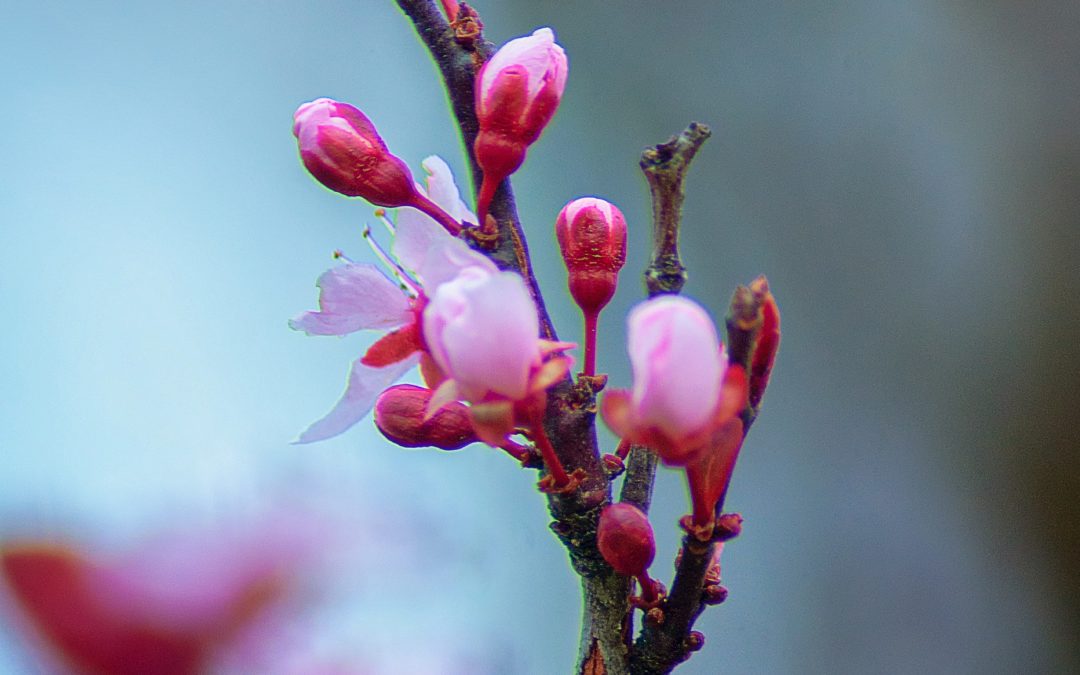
(907, 174)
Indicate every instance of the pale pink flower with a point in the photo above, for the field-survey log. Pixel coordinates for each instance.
(683, 388)
(482, 330)
(361, 296)
(678, 363)
(171, 607)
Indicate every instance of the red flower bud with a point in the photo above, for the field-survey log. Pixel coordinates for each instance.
(592, 236)
(399, 415)
(625, 539)
(341, 148)
(767, 342)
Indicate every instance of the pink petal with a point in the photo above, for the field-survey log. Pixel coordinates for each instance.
(538, 53)
(482, 331)
(417, 233)
(446, 260)
(365, 385)
(353, 297)
(442, 189)
(677, 364)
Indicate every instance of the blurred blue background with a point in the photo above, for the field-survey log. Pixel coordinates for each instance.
(905, 173)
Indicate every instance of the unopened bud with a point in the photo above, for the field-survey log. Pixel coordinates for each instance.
(341, 148)
(767, 342)
(592, 237)
(399, 415)
(625, 539)
(517, 92)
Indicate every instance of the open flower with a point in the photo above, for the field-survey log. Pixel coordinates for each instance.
(361, 296)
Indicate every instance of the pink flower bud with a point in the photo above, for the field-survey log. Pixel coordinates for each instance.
(678, 365)
(625, 539)
(517, 92)
(343, 151)
(399, 415)
(481, 328)
(592, 236)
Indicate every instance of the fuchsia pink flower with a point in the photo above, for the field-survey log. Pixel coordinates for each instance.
(517, 92)
(341, 148)
(360, 296)
(685, 399)
(592, 237)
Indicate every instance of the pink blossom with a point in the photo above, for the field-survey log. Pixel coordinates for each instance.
(677, 362)
(482, 331)
(518, 91)
(361, 296)
(683, 389)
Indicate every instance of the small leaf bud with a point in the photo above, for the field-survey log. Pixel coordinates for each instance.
(399, 415)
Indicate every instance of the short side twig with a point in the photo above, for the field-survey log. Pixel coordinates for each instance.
(665, 167)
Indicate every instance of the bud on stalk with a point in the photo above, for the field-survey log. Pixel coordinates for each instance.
(517, 92)
(625, 539)
(592, 236)
(341, 148)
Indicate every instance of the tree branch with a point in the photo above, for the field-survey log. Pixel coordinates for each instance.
(459, 49)
(662, 645)
(665, 168)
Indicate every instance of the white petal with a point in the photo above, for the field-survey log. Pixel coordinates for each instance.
(365, 385)
(442, 189)
(446, 260)
(353, 297)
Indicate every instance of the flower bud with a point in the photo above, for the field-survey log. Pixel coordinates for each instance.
(341, 148)
(517, 92)
(399, 415)
(677, 362)
(766, 344)
(592, 237)
(625, 539)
